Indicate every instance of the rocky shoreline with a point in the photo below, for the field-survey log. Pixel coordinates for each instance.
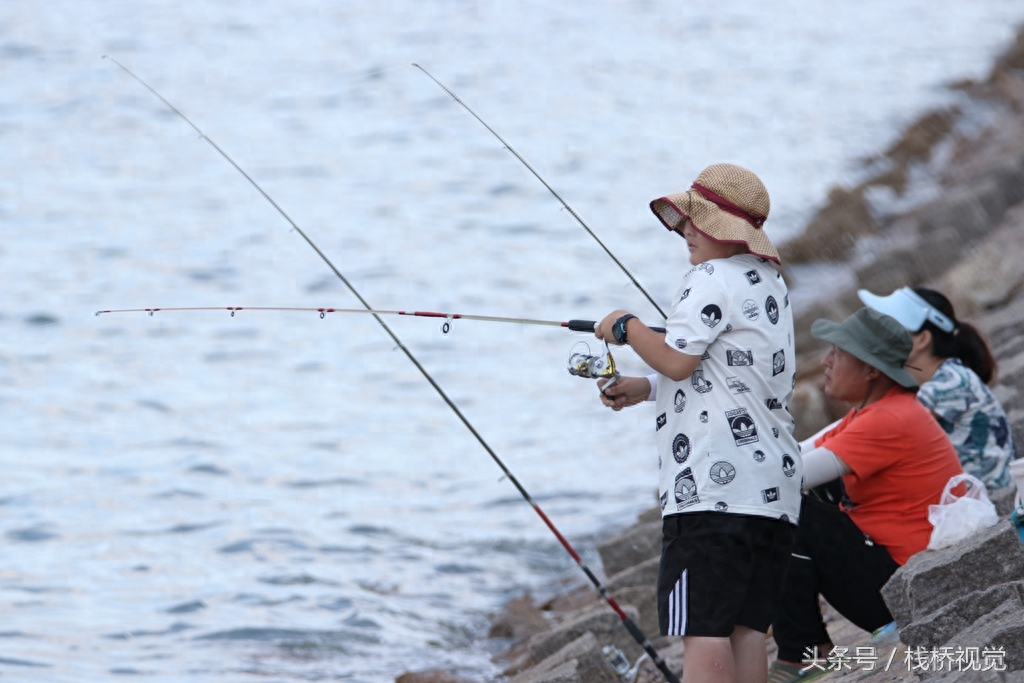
(942, 207)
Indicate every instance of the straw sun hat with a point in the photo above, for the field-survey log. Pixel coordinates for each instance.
(727, 203)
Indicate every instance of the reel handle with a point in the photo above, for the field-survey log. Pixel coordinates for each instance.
(591, 326)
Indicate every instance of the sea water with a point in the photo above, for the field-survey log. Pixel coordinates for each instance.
(280, 497)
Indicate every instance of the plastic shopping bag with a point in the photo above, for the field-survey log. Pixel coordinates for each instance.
(957, 517)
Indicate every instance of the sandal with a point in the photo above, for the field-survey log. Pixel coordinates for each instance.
(779, 672)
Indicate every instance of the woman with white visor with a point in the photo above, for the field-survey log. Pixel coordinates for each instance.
(953, 365)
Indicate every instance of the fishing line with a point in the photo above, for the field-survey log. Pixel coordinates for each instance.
(628, 623)
(550, 189)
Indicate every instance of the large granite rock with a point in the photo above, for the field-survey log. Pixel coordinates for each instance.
(601, 621)
(640, 541)
(944, 624)
(932, 579)
(637, 586)
(578, 661)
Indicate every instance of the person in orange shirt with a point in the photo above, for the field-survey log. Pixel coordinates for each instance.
(894, 461)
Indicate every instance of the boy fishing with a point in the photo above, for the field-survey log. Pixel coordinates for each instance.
(730, 468)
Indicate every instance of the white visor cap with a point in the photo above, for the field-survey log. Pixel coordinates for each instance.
(909, 308)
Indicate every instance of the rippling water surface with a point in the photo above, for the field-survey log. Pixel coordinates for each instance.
(272, 496)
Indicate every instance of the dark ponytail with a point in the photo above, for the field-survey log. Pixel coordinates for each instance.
(964, 342)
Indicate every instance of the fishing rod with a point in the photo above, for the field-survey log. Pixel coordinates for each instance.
(571, 325)
(580, 364)
(628, 623)
(550, 189)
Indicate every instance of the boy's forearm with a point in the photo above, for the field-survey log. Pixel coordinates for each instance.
(662, 358)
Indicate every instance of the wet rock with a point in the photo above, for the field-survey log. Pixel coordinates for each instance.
(644, 573)
(1003, 628)
(566, 673)
(833, 232)
(519, 619)
(1011, 59)
(943, 625)
(600, 621)
(430, 677)
(969, 212)
(920, 138)
(641, 541)
(579, 661)
(990, 275)
(932, 579)
(637, 586)
(810, 404)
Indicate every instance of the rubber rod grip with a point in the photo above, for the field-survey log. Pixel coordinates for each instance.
(591, 325)
(582, 325)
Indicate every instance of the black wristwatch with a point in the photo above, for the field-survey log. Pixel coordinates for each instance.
(619, 328)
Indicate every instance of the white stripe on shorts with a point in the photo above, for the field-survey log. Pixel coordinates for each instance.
(677, 607)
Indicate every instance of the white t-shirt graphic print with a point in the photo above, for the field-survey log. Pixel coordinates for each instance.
(725, 434)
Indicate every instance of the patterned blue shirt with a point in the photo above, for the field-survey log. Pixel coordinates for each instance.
(974, 420)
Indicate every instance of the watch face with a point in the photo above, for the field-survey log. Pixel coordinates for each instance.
(619, 330)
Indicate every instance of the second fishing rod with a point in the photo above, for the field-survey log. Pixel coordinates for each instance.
(554, 193)
(626, 621)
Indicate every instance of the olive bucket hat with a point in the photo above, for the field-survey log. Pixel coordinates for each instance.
(875, 338)
(726, 203)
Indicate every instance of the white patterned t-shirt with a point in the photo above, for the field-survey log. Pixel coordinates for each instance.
(725, 434)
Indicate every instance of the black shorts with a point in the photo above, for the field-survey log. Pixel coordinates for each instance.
(719, 571)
